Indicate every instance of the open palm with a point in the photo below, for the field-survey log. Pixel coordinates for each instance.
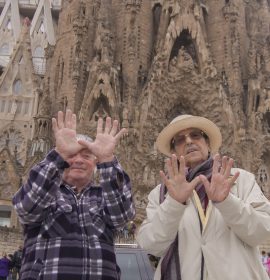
(64, 129)
(221, 182)
(176, 183)
(106, 140)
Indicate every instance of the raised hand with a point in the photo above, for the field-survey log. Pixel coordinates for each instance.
(106, 140)
(64, 129)
(177, 185)
(221, 182)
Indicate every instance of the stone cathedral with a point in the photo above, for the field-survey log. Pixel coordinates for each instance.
(142, 62)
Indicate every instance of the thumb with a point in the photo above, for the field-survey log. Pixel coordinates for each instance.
(86, 144)
(195, 182)
(205, 182)
(163, 178)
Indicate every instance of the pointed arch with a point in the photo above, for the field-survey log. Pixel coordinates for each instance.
(17, 88)
(185, 41)
(4, 54)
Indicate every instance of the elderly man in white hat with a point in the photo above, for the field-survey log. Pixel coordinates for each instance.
(206, 219)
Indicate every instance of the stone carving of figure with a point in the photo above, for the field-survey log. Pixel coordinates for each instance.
(136, 117)
(125, 122)
(176, 9)
(168, 42)
(263, 179)
(173, 65)
(197, 11)
(258, 122)
(103, 43)
(184, 59)
(141, 76)
(99, 113)
(210, 69)
(4, 175)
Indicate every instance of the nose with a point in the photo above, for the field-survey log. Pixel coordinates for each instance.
(188, 139)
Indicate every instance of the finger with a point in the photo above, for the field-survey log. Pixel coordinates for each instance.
(86, 144)
(169, 168)
(234, 178)
(68, 119)
(182, 167)
(121, 133)
(195, 182)
(108, 125)
(54, 125)
(100, 126)
(114, 128)
(229, 166)
(216, 163)
(223, 165)
(205, 182)
(73, 122)
(163, 178)
(174, 164)
(166, 182)
(60, 120)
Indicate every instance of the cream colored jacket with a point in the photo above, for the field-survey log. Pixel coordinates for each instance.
(233, 229)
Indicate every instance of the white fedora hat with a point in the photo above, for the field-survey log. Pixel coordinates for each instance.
(163, 142)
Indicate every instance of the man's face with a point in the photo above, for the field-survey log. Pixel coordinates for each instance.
(192, 144)
(81, 169)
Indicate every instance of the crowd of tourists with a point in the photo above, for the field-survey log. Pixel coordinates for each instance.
(10, 265)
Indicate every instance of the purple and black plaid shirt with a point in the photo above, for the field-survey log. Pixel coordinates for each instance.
(68, 237)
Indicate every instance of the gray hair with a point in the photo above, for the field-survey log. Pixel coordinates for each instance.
(84, 137)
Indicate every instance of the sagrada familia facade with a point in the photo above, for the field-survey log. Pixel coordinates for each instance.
(142, 62)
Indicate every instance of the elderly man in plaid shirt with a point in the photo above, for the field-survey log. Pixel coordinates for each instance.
(68, 220)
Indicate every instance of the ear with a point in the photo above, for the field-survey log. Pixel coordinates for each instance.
(95, 160)
(208, 145)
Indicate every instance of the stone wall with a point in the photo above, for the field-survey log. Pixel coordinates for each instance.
(265, 246)
(10, 239)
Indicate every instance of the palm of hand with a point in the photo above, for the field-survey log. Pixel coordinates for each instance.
(219, 188)
(221, 182)
(66, 140)
(179, 188)
(104, 145)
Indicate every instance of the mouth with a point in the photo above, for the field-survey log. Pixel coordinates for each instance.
(191, 150)
(75, 168)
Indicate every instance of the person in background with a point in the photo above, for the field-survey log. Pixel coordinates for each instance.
(4, 267)
(264, 259)
(69, 219)
(206, 219)
(16, 263)
(132, 230)
(10, 257)
(268, 263)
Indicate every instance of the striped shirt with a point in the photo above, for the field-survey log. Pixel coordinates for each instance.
(68, 237)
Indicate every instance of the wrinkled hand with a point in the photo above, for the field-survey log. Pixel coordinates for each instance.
(65, 134)
(221, 182)
(106, 140)
(177, 185)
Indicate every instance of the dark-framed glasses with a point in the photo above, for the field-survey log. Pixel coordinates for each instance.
(195, 134)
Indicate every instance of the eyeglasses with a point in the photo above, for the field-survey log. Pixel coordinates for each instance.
(193, 135)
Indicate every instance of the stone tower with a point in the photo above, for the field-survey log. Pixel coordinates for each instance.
(145, 62)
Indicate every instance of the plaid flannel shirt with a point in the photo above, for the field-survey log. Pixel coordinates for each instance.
(68, 237)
